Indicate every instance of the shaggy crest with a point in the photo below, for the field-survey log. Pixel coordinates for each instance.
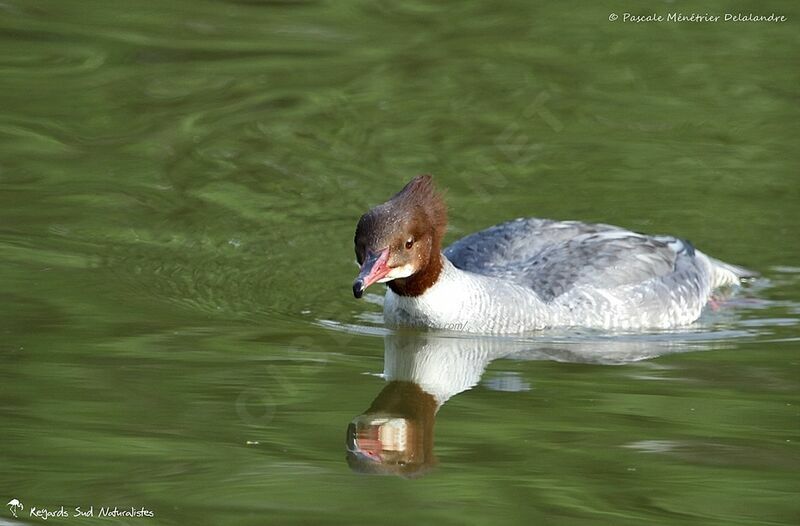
(420, 193)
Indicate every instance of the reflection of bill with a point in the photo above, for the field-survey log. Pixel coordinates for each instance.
(395, 435)
(379, 438)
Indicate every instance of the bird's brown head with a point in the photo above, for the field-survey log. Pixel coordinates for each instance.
(399, 242)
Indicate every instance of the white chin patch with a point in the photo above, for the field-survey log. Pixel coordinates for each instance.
(397, 273)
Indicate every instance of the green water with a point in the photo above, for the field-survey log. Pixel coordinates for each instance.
(179, 185)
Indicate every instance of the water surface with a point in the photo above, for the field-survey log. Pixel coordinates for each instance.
(179, 184)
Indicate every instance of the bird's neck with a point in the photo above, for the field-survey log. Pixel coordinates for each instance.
(423, 279)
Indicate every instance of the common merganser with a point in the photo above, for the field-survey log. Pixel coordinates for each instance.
(528, 274)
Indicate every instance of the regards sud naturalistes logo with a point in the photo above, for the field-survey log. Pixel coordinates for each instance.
(17, 509)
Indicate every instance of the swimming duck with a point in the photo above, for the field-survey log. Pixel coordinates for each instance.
(528, 274)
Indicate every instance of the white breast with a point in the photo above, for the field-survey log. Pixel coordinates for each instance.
(468, 302)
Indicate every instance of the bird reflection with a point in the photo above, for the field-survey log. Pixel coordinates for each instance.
(394, 436)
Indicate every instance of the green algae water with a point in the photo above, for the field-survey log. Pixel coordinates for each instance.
(179, 186)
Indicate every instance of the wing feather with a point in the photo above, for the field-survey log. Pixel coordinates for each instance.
(553, 257)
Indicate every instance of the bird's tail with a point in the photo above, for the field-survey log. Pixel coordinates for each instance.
(725, 274)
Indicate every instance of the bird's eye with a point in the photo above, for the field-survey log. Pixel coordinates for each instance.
(409, 243)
